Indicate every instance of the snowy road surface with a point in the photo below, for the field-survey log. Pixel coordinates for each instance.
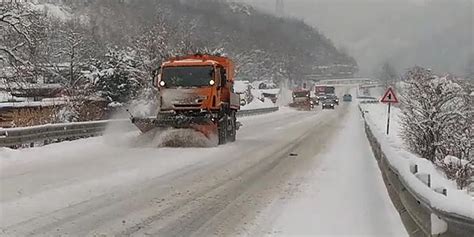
(289, 173)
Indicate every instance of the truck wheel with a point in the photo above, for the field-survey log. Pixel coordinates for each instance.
(222, 129)
(233, 127)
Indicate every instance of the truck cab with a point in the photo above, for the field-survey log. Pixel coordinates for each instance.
(199, 82)
(302, 100)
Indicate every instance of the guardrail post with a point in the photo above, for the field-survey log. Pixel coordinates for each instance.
(441, 191)
(425, 178)
(414, 168)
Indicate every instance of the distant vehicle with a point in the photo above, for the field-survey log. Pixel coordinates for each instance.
(328, 104)
(320, 92)
(302, 100)
(330, 90)
(334, 98)
(347, 98)
(320, 97)
(315, 100)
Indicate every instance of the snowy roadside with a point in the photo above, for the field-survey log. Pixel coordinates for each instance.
(456, 201)
(342, 194)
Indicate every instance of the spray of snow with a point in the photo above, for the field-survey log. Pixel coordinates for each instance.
(173, 138)
(285, 96)
(183, 138)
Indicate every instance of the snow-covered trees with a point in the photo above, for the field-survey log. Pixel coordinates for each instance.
(118, 78)
(437, 118)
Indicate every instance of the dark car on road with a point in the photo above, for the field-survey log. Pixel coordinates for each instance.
(347, 98)
(328, 104)
(333, 98)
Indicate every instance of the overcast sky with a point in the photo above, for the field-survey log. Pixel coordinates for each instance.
(433, 33)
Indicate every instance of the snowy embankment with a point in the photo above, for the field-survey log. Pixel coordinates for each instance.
(343, 194)
(456, 201)
(259, 100)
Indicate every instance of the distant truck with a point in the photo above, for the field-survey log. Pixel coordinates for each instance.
(196, 91)
(302, 100)
(322, 92)
(330, 90)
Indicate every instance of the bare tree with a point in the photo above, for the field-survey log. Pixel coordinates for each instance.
(22, 31)
(70, 49)
(388, 75)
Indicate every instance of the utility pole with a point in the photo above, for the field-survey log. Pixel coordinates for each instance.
(280, 8)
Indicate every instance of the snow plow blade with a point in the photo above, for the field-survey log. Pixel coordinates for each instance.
(201, 124)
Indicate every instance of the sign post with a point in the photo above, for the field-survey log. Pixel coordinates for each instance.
(389, 97)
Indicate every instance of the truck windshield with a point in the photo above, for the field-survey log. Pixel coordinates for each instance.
(330, 90)
(188, 76)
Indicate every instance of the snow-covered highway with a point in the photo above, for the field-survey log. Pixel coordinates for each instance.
(288, 173)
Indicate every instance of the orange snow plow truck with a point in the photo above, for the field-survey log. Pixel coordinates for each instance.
(302, 100)
(196, 92)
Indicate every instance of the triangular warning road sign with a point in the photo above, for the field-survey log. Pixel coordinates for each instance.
(389, 96)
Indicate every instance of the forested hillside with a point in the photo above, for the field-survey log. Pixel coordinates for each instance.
(112, 48)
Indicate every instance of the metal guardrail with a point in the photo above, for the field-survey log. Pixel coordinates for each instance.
(416, 212)
(251, 112)
(15, 137)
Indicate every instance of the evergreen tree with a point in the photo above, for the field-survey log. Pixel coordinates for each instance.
(118, 78)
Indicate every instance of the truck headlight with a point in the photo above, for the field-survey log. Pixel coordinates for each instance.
(162, 83)
(212, 82)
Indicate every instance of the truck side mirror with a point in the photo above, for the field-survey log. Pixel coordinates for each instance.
(155, 77)
(223, 77)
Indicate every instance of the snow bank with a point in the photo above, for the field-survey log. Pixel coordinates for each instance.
(340, 193)
(457, 201)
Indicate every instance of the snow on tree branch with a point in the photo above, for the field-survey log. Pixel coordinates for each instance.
(437, 121)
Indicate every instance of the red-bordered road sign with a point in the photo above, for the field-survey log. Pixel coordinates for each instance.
(389, 96)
